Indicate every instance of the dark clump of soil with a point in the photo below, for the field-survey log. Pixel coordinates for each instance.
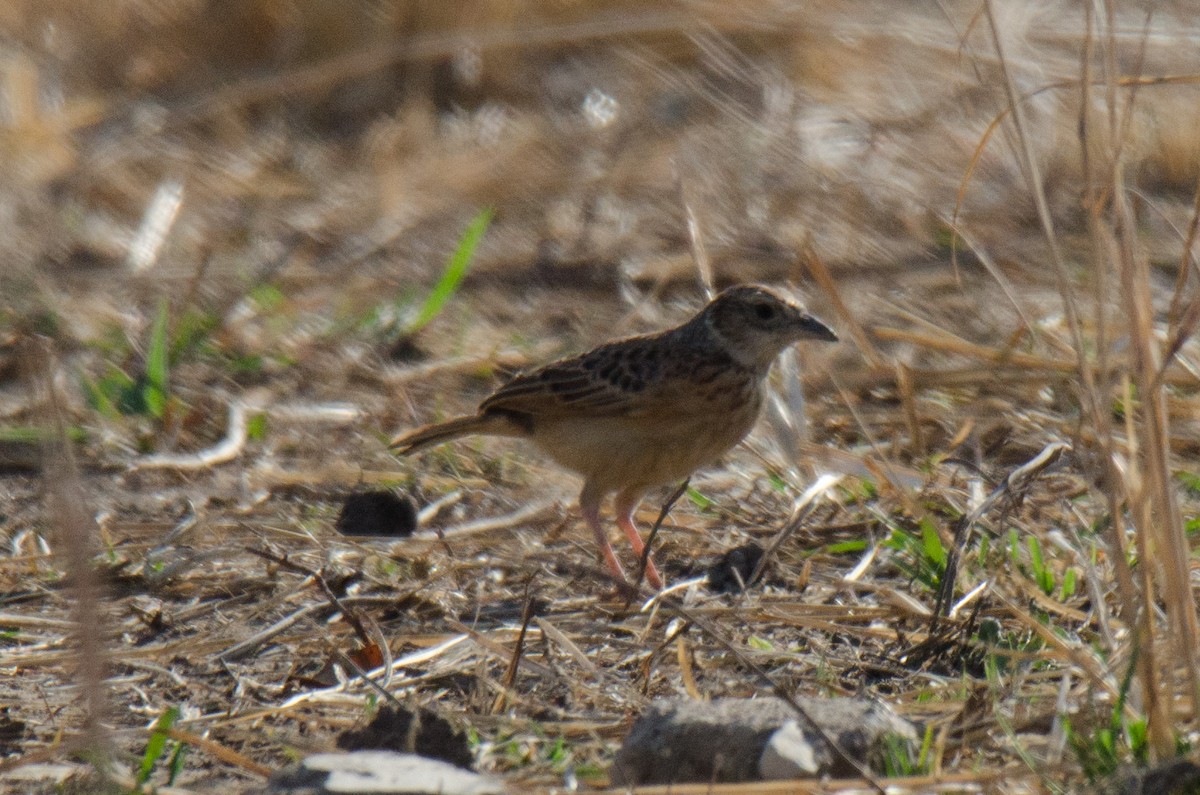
(422, 732)
(731, 574)
(377, 513)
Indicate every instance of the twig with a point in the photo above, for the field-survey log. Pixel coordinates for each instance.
(510, 675)
(416, 658)
(1017, 481)
(644, 560)
(558, 636)
(226, 450)
(249, 645)
(486, 524)
(801, 510)
(492, 647)
(352, 618)
(696, 238)
(221, 752)
(820, 272)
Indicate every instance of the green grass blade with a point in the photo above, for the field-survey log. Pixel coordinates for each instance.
(28, 434)
(175, 763)
(699, 500)
(455, 271)
(155, 746)
(154, 393)
(101, 396)
(931, 543)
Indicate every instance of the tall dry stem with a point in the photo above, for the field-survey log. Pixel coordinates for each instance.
(1135, 470)
(1143, 483)
(74, 537)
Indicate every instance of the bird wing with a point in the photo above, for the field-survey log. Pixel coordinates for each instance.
(618, 379)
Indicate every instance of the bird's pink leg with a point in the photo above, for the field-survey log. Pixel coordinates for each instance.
(589, 506)
(624, 506)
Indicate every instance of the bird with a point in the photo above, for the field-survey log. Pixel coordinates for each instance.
(646, 411)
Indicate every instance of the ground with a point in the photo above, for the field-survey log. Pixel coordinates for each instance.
(231, 276)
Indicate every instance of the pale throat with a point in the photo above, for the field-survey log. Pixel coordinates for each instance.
(756, 355)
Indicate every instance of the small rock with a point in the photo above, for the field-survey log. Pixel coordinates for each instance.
(732, 740)
(379, 773)
(788, 754)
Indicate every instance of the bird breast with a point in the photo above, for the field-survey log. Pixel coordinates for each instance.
(646, 449)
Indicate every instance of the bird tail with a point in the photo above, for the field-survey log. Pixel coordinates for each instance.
(429, 435)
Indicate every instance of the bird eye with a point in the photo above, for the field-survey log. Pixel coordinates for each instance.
(764, 311)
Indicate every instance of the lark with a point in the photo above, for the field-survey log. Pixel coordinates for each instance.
(646, 411)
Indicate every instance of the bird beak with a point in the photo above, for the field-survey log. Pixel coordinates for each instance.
(811, 328)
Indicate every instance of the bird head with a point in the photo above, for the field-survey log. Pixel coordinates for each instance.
(756, 323)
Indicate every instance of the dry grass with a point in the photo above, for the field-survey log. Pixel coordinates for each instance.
(998, 203)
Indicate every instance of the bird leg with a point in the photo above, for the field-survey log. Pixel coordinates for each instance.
(624, 505)
(589, 506)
